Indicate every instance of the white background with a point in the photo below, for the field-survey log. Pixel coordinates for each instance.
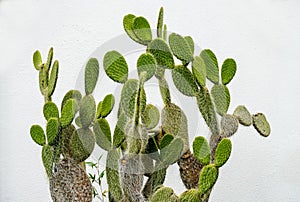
(263, 36)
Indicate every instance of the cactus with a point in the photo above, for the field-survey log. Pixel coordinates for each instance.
(144, 141)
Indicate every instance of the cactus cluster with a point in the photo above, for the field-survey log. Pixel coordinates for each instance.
(139, 148)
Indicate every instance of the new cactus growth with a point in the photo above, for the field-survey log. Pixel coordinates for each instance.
(144, 141)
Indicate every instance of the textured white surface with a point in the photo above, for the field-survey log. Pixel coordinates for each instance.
(263, 37)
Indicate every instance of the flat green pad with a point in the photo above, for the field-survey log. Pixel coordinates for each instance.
(50, 110)
(184, 80)
(172, 152)
(165, 194)
(53, 78)
(207, 110)
(180, 48)
(190, 41)
(129, 97)
(201, 150)
(211, 63)
(174, 122)
(52, 130)
(66, 135)
(162, 53)
(191, 195)
(82, 144)
(49, 59)
(68, 113)
(199, 70)
(164, 90)
(208, 177)
(127, 24)
(228, 70)
(87, 110)
(146, 63)
(150, 116)
(107, 105)
(261, 124)
(221, 97)
(229, 125)
(38, 135)
(71, 94)
(37, 60)
(142, 30)
(160, 23)
(47, 158)
(91, 75)
(243, 115)
(166, 140)
(119, 132)
(223, 152)
(103, 134)
(115, 66)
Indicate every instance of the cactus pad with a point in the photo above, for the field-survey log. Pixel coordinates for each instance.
(82, 144)
(190, 41)
(53, 78)
(164, 91)
(71, 94)
(261, 124)
(50, 110)
(243, 115)
(180, 48)
(223, 152)
(150, 116)
(68, 113)
(38, 135)
(47, 158)
(115, 66)
(171, 153)
(228, 70)
(119, 132)
(164, 194)
(49, 59)
(207, 179)
(87, 110)
(66, 135)
(201, 150)
(221, 97)
(142, 30)
(191, 195)
(162, 53)
(52, 130)
(207, 110)
(199, 70)
(91, 75)
(160, 23)
(229, 125)
(166, 140)
(146, 63)
(107, 105)
(103, 134)
(211, 63)
(37, 60)
(184, 80)
(127, 24)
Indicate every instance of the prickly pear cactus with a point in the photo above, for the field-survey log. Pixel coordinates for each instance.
(145, 141)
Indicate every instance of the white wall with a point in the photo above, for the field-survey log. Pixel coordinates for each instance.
(262, 36)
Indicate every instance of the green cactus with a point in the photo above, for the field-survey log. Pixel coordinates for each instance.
(207, 179)
(91, 75)
(223, 152)
(243, 115)
(136, 150)
(228, 70)
(211, 63)
(180, 48)
(190, 195)
(201, 150)
(261, 124)
(165, 194)
(38, 135)
(115, 66)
